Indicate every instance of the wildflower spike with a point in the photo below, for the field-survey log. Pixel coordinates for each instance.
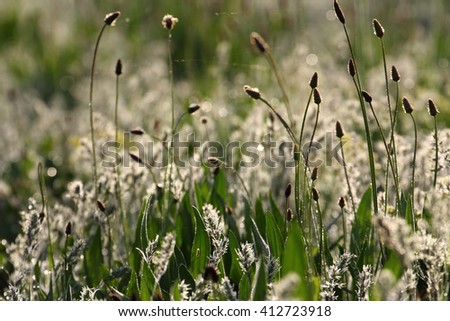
(110, 18)
(339, 13)
(407, 107)
(378, 28)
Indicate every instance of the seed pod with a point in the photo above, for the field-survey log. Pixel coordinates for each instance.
(110, 18)
(252, 92)
(118, 67)
(137, 131)
(136, 158)
(315, 194)
(169, 21)
(314, 82)
(211, 273)
(378, 28)
(288, 190)
(101, 206)
(432, 108)
(314, 173)
(339, 130)
(317, 96)
(342, 202)
(395, 76)
(258, 42)
(68, 229)
(351, 67)
(193, 108)
(407, 107)
(366, 96)
(339, 13)
(289, 214)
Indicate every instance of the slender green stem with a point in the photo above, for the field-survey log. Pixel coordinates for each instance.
(117, 169)
(285, 124)
(280, 84)
(350, 193)
(344, 227)
(304, 118)
(389, 156)
(413, 185)
(47, 216)
(321, 239)
(357, 84)
(312, 137)
(91, 111)
(436, 147)
(369, 148)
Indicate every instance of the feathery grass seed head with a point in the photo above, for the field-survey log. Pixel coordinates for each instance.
(378, 28)
(407, 107)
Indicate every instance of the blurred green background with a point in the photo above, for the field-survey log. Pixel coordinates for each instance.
(46, 49)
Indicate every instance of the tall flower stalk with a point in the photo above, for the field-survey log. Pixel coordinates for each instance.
(353, 71)
(109, 20)
(433, 111)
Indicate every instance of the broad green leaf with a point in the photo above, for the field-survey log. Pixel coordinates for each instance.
(133, 287)
(185, 227)
(394, 264)
(94, 268)
(362, 226)
(200, 246)
(244, 288)
(274, 236)
(259, 289)
(231, 259)
(148, 283)
(279, 218)
(295, 260)
(260, 217)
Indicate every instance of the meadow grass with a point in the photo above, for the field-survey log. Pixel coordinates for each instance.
(215, 228)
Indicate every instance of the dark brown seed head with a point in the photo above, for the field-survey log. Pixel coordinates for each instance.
(366, 96)
(213, 161)
(204, 120)
(228, 211)
(216, 170)
(407, 107)
(136, 158)
(290, 214)
(110, 18)
(193, 108)
(432, 108)
(101, 206)
(119, 67)
(252, 92)
(315, 194)
(137, 131)
(41, 217)
(258, 42)
(351, 67)
(378, 28)
(211, 273)
(169, 21)
(339, 130)
(342, 202)
(68, 229)
(288, 190)
(395, 76)
(339, 13)
(315, 173)
(317, 96)
(314, 82)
